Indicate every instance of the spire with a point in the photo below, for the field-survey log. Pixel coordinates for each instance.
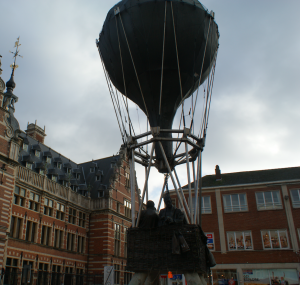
(9, 98)
(10, 84)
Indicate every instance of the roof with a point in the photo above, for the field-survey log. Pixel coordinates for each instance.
(87, 180)
(251, 177)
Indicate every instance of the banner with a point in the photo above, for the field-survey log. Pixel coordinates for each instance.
(109, 275)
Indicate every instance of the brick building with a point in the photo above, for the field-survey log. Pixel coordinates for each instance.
(252, 220)
(61, 222)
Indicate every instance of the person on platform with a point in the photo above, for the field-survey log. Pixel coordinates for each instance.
(149, 217)
(170, 215)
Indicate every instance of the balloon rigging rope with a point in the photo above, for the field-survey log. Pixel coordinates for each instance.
(129, 119)
(120, 111)
(178, 66)
(162, 60)
(192, 121)
(134, 67)
(105, 73)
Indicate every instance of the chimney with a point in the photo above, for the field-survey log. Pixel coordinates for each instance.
(218, 173)
(36, 132)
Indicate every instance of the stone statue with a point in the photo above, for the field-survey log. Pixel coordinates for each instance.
(149, 217)
(170, 215)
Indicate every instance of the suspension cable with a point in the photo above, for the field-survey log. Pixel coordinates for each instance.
(124, 82)
(178, 66)
(137, 77)
(111, 95)
(200, 77)
(162, 60)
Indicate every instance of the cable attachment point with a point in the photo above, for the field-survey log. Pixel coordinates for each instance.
(117, 10)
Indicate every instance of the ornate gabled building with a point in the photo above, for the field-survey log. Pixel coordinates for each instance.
(61, 222)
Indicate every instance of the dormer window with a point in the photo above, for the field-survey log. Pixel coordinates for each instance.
(37, 153)
(92, 169)
(112, 165)
(58, 165)
(74, 188)
(41, 171)
(78, 176)
(98, 177)
(25, 146)
(54, 178)
(100, 194)
(48, 159)
(29, 165)
(69, 170)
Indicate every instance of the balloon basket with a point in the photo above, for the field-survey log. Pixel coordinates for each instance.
(151, 249)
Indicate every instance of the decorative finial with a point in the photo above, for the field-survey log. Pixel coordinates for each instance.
(16, 54)
(0, 65)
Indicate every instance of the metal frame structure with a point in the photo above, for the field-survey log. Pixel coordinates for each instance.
(191, 212)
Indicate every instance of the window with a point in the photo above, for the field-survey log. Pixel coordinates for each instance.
(69, 170)
(74, 188)
(72, 216)
(11, 270)
(80, 244)
(55, 276)
(117, 273)
(78, 176)
(118, 207)
(117, 240)
(235, 203)
(27, 272)
(239, 240)
(127, 179)
(81, 220)
(58, 238)
(48, 159)
(31, 231)
(113, 165)
(34, 202)
(46, 235)
(60, 209)
(98, 177)
(295, 194)
(68, 270)
(37, 153)
(268, 200)
(210, 241)
(100, 193)
(125, 242)
(41, 171)
(206, 205)
(19, 196)
(25, 146)
(71, 242)
(58, 165)
(127, 277)
(48, 207)
(274, 239)
(92, 169)
(54, 178)
(127, 206)
(43, 274)
(29, 165)
(16, 226)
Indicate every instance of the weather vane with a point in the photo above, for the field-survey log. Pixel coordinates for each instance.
(16, 54)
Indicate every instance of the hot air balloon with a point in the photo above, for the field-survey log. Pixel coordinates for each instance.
(154, 53)
(157, 53)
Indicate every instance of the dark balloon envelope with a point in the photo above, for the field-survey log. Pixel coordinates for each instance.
(143, 25)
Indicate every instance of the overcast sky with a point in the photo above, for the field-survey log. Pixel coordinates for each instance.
(254, 119)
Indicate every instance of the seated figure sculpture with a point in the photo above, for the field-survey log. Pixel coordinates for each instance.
(170, 215)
